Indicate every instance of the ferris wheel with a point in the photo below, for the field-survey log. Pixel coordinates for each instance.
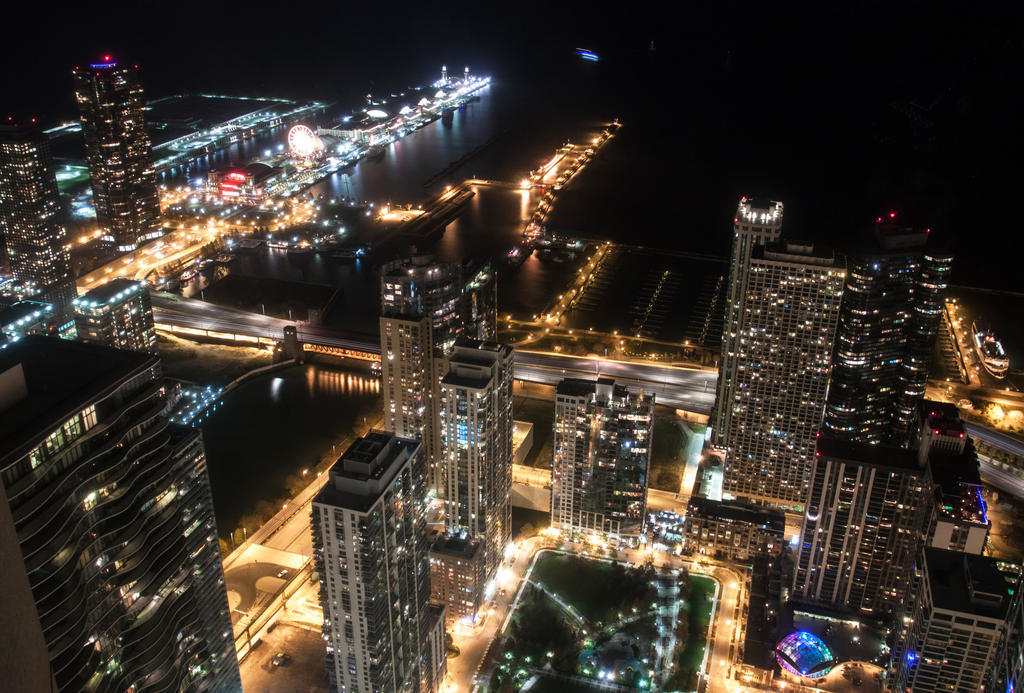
(302, 143)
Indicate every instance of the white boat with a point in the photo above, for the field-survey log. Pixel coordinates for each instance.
(990, 352)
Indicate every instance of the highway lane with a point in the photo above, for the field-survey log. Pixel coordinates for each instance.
(683, 388)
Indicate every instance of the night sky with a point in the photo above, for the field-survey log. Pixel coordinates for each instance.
(840, 111)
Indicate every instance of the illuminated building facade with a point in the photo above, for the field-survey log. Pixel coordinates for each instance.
(244, 185)
(25, 318)
(862, 528)
(891, 313)
(31, 218)
(425, 306)
(601, 458)
(457, 575)
(476, 443)
(118, 152)
(958, 622)
(108, 541)
(370, 549)
(732, 531)
(755, 224)
(779, 348)
(117, 314)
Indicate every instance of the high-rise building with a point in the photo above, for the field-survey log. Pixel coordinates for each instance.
(958, 514)
(425, 306)
(118, 152)
(458, 577)
(370, 548)
(117, 314)
(862, 527)
(1008, 669)
(601, 457)
(459, 299)
(476, 443)
(959, 620)
(891, 313)
(755, 224)
(775, 370)
(32, 218)
(107, 533)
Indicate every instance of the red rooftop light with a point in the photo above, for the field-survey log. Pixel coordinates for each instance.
(892, 215)
(107, 58)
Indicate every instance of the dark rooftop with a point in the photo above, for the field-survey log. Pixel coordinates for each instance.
(737, 512)
(967, 583)
(456, 545)
(111, 291)
(23, 309)
(60, 378)
(576, 387)
(865, 453)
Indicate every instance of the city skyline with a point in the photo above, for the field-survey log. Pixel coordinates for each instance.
(428, 360)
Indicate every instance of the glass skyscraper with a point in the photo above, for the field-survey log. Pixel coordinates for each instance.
(891, 314)
(108, 542)
(31, 216)
(117, 149)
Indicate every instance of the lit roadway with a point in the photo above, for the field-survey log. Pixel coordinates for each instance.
(683, 388)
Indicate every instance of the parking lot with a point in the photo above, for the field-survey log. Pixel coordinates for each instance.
(304, 672)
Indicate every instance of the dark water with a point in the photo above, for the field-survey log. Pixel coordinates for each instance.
(277, 424)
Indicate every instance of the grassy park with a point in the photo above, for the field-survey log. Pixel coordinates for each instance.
(601, 620)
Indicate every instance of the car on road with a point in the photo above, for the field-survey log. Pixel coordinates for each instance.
(283, 573)
(280, 658)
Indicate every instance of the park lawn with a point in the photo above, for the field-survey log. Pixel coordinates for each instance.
(548, 684)
(597, 589)
(698, 613)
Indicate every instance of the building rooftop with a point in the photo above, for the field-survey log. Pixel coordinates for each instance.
(958, 486)
(459, 545)
(576, 387)
(22, 313)
(365, 470)
(45, 380)
(942, 418)
(759, 211)
(801, 252)
(737, 512)
(966, 583)
(113, 291)
(866, 453)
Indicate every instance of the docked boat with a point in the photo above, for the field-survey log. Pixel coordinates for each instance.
(990, 352)
(188, 275)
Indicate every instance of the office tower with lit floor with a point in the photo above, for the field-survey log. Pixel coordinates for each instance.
(425, 306)
(118, 152)
(775, 370)
(601, 458)
(107, 533)
(32, 218)
(117, 314)
(890, 317)
(370, 549)
(476, 442)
